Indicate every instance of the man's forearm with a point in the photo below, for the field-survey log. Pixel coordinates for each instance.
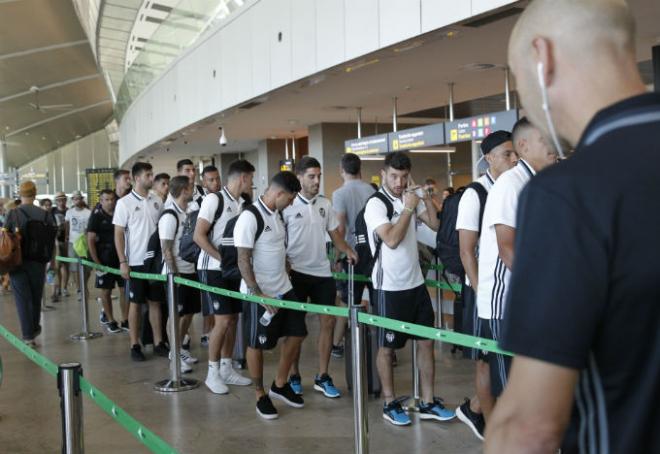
(91, 245)
(245, 267)
(396, 232)
(120, 245)
(432, 213)
(201, 238)
(167, 247)
(470, 264)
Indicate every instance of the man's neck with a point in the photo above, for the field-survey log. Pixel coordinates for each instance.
(307, 195)
(141, 192)
(269, 201)
(234, 188)
(349, 177)
(27, 200)
(181, 203)
(109, 213)
(493, 173)
(79, 208)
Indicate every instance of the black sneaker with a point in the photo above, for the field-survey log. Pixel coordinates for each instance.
(161, 350)
(265, 408)
(113, 327)
(286, 395)
(103, 318)
(474, 421)
(337, 351)
(136, 353)
(124, 325)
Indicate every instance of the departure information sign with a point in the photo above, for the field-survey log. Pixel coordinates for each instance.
(414, 138)
(97, 181)
(477, 128)
(366, 146)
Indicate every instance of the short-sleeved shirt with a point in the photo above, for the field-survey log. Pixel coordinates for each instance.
(60, 219)
(501, 208)
(268, 252)
(207, 211)
(400, 266)
(170, 229)
(585, 291)
(100, 223)
(308, 223)
(77, 219)
(469, 207)
(349, 200)
(139, 217)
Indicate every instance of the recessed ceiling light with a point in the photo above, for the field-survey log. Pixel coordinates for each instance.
(27, 133)
(43, 137)
(7, 127)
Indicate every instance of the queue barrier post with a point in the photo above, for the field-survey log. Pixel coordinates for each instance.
(414, 406)
(68, 384)
(85, 334)
(175, 383)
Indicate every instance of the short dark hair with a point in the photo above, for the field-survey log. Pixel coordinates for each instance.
(209, 169)
(183, 162)
(307, 162)
(43, 202)
(398, 160)
(140, 167)
(178, 184)
(119, 173)
(107, 191)
(286, 180)
(240, 166)
(520, 126)
(351, 163)
(450, 190)
(162, 176)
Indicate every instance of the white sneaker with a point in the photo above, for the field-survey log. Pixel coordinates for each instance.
(185, 367)
(215, 383)
(231, 377)
(187, 357)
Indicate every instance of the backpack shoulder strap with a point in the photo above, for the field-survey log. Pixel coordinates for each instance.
(388, 204)
(260, 220)
(176, 217)
(483, 195)
(221, 206)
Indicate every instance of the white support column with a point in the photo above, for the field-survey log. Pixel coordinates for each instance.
(4, 191)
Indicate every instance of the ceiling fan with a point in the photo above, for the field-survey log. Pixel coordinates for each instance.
(45, 108)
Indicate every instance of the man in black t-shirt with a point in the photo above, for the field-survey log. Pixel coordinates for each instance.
(62, 249)
(583, 313)
(100, 239)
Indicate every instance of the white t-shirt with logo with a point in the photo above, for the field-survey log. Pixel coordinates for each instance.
(400, 266)
(207, 211)
(77, 219)
(308, 223)
(139, 217)
(168, 229)
(501, 208)
(268, 252)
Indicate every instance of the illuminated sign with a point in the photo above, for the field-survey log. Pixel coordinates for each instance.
(367, 145)
(98, 180)
(420, 137)
(286, 164)
(477, 128)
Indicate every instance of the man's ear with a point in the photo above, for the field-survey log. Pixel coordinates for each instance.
(544, 54)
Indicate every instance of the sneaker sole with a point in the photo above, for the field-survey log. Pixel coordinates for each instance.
(320, 389)
(238, 384)
(274, 395)
(396, 423)
(267, 417)
(429, 417)
(464, 419)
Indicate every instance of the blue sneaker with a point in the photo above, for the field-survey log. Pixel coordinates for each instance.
(394, 413)
(324, 384)
(296, 384)
(435, 410)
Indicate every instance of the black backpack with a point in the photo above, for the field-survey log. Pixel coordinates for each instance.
(228, 251)
(447, 247)
(38, 238)
(153, 259)
(367, 260)
(188, 249)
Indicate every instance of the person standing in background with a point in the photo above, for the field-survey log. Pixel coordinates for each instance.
(76, 224)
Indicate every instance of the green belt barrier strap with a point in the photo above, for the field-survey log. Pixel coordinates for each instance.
(429, 282)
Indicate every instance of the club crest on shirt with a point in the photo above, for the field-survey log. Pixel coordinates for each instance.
(156, 206)
(390, 337)
(262, 339)
(216, 305)
(395, 214)
(322, 212)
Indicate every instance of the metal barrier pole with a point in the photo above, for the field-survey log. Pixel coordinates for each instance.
(361, 423)
(85, 334)
(175, 383)
(438, 300)
(415, 379)
(68, 383)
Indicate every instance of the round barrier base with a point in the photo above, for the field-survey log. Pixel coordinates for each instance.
(85, 336)
(173, 386)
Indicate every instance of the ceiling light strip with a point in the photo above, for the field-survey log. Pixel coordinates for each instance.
(57, 117)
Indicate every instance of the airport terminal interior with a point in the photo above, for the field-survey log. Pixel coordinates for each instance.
(258, 91)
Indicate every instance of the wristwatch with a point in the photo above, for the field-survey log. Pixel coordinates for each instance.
(252, 290)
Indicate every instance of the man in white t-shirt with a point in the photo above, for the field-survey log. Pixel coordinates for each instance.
(308, 220)
(498, 231)
(75, 220)
(399, 289)
(185, 167)
(260, 239)
(211, 222)
(135, 219)
(498, 152)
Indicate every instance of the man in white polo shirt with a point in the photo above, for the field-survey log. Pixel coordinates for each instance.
(260, 239)
(400, 293)
(498, 232)
(135, 219)
(498, 151)
(308, 220)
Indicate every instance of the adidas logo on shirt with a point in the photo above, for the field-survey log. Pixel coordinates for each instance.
(228, 209)
(267, 229)
(299, 216)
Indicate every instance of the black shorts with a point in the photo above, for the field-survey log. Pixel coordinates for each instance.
(358, 288)
(286, 322)
(498, 364)
(214, 304)
(319, 290)
(141, 290)
(470, 323)
(187, 298)
(412, 306)
(108, 281)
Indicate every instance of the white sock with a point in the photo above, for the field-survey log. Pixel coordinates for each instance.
(214, 365)
(225, 362)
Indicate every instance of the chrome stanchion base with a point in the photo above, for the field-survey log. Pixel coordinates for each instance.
(85, 336)
(173, 386)
(413, 406)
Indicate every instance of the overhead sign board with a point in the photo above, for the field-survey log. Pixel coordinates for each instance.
(420, 137)
(366, 146)
(477, 128)
(98, 180)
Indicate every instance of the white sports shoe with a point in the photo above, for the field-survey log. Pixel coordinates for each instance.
(185, 367)
(187, 357)
(231, 377)
(215, 383)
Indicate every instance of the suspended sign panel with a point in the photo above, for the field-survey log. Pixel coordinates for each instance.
(97, 181)
(365, 146)
(477, 128)
(414, 138)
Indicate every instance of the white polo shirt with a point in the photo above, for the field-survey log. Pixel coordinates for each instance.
(167, 230)
(77, 219)
(268, 252)
(401, 270)
(231, 209)
(139, 217)
(308, 223)
(501, 208)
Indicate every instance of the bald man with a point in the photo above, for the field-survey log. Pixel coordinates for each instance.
(583, 313)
